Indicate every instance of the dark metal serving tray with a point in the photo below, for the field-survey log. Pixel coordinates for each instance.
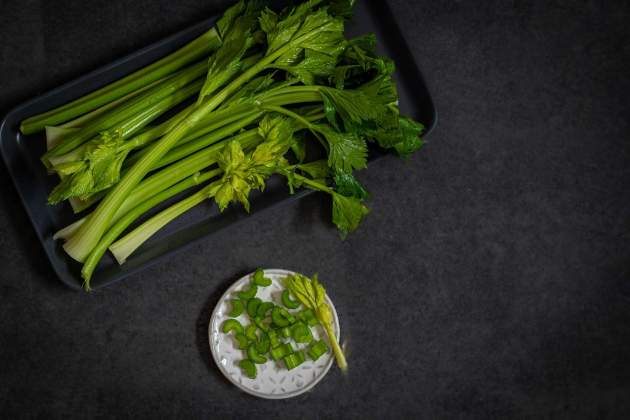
(21, 153)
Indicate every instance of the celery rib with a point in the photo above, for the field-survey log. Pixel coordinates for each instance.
(124, 247)
(196, 49)
(90, 233)
(135, 105)
(112, 234)
(136, 122)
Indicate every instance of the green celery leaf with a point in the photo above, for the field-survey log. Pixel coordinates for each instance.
(298, 146)
(233, 186)
(381, 90)
(359, 63)
(249, 91)
(302, 28)
(312, 295)
(278, 135)
(292, 182)
(403, 135)
(227, 61)
(342, 73)
(347, 213)
(353, 106)
(346, 184)
(228, 18)
(98, 169)
(317, 170)
(410, 140)
(282, 29)
(342, 8)
(366, 43)
(314, 66)
(387, 127)
(330, 111)
(347, 151)
(244, 172)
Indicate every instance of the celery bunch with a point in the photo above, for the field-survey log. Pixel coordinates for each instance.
(272, 82)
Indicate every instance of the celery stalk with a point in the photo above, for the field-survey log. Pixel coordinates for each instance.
(135, 105)
(196, 49)
(122, 224)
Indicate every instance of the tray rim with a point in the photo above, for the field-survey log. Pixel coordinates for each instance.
(205, 24)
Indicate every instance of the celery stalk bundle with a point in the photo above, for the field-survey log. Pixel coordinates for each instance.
(268, 83)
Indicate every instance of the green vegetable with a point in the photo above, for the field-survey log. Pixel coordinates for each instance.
(191, 52)
(232, 325)
(248, 367)
(286, 36)
(96, 166)
(312, 295)
(262, 346)
(276, 82)
(294, 360)
(242, 341)
(285, 332)
(274, 341)
(348, 212)
(286, 300)
(238, 170)
(254, 355)
(134, 214)
(125, 246)
(308, 316)
(301, 333)
(252, 306)
(264, 308)
(260, 324)
(277, 318)
(278, 352)
(237, 308)
(286, 315)
(167, 177)
(250, 332)
(260, 279)
(248, 293)
(151, 97)
(318, 349)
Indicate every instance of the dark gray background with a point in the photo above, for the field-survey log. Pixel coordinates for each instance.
(491, 279)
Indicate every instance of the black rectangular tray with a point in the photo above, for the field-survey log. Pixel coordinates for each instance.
(21, 153)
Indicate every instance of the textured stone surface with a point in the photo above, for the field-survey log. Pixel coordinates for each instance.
(491, 279)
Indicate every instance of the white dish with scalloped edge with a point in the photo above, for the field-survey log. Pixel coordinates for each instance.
(273, 380)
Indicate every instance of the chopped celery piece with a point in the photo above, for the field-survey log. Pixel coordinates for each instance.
(248, 367)
(237, 308)
(260, 279)
(318, 349)
(252, 306)
(294, 360)
(254, 355)
(250, 332)
(301, 333)
(288, 302)
(232, 325)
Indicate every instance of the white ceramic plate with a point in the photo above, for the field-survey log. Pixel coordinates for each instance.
(273, 380)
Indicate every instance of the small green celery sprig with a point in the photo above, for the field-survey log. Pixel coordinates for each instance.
(244, 172)
(97, 169)
(312, 295)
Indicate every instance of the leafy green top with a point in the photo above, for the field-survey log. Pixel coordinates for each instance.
(95, 169)
(243, 172)
(236, 28)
